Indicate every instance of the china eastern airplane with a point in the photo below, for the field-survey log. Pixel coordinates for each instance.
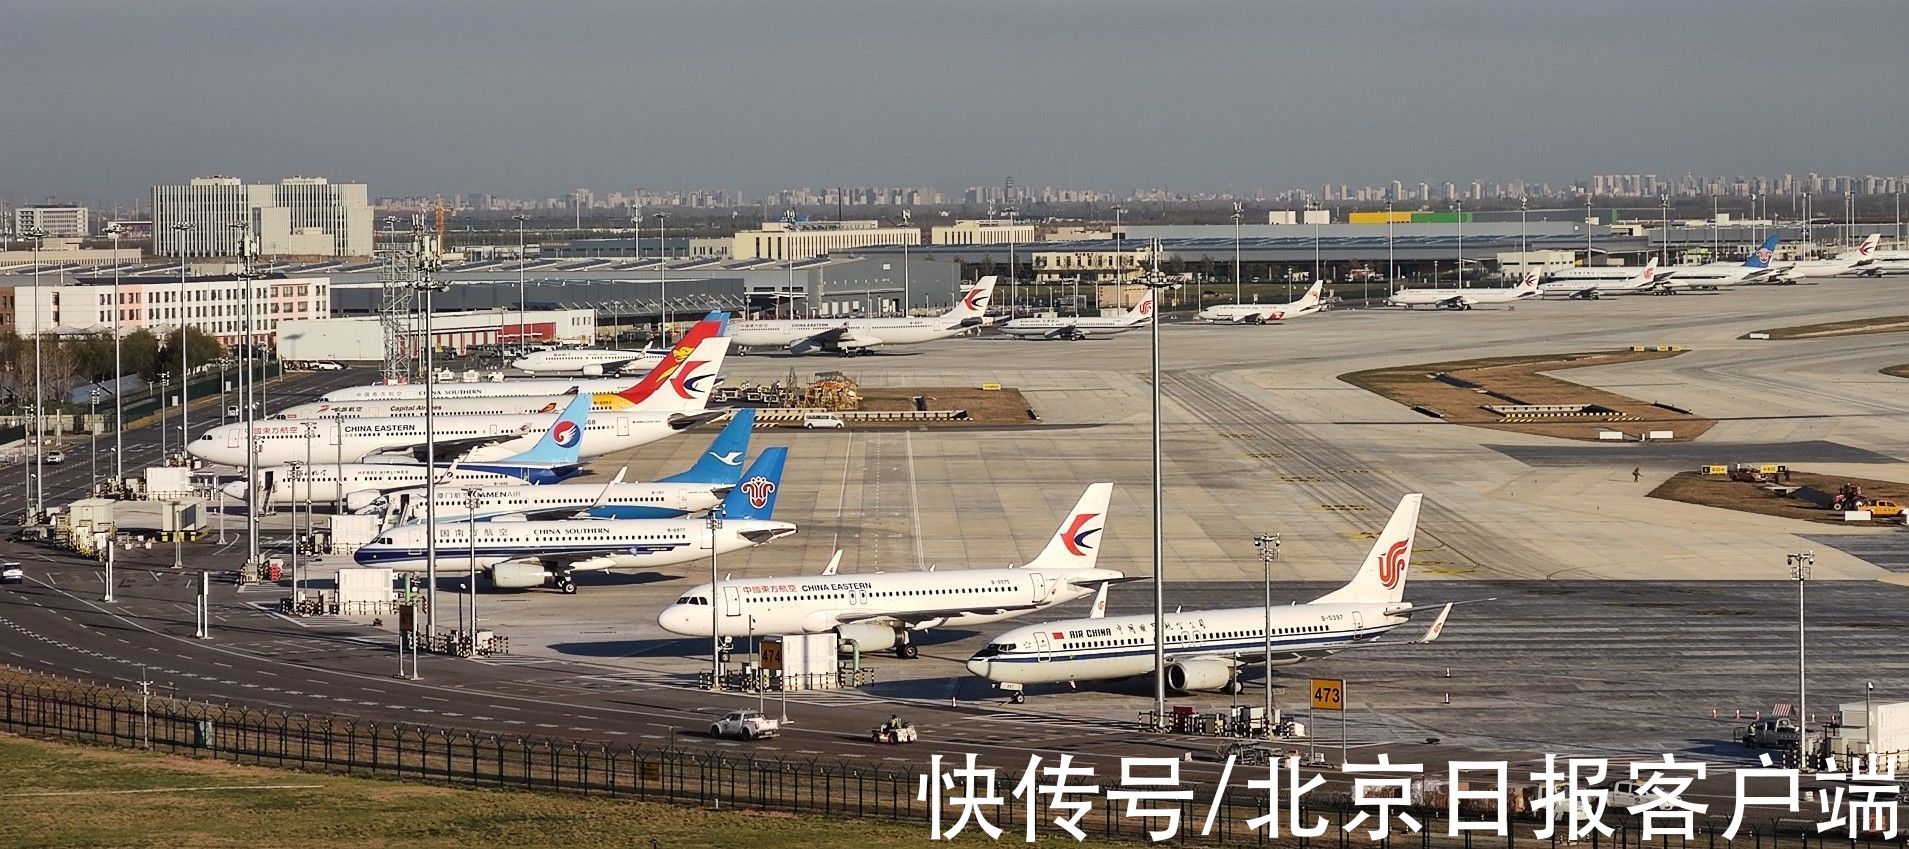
(855, 335)
(1592, 283)
(1464, 299)
(1863, 256)
(882, 610)
(1206, 649)
(642, 395)
(1082, 327)
(521, 555)
(694, 491)
(358, 485)
(1715, 275)
(469, 438)
(592, 362)
(1264, 313)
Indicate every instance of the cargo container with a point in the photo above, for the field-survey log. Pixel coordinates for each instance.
(364, 586)
(163, 482)
(349, 531)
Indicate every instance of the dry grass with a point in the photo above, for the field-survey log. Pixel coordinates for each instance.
(355, 813)
(1855, 327)
(1519, 377)
(1712, 491)
(1004, 406)
(1897, 371)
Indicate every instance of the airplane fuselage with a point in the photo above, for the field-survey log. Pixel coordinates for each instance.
(817, 604)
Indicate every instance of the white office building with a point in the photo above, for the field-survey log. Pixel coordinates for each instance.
(64, 304)
(805, 239)
(983, 231)
(58, 222)
(295, 217)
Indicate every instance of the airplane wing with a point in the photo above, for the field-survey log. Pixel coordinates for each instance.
(825, 339)
(918, 619)
(1062, 332)
(1453, 302)
(457, 448)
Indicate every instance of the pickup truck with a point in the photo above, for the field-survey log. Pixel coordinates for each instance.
(746, 724)
(1776, 732)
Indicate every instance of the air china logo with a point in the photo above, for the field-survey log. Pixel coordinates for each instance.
(1146, 307)
(566, 434)
(977, 299)
(684, 383)
(1392, 565)
(757, 490)
(1074, 539)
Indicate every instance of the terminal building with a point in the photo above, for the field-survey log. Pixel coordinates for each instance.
(791, 240)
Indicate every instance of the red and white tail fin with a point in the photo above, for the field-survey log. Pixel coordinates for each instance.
(1142, 312)
(1650, 270)
(662, 373)
(1312, 295)
(1077, 545)
(1867, 250)
(1381, 578)
(974, 302)
(689, 385)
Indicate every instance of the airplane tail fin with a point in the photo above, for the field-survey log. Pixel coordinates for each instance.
(1761, 258)
(1381, 578)
(1649, 273)
(1142, 312)
(558, 446)
(1867, 250)
(1076, 545)
(722, 462)
(691, 382)
(755, 495)
(714, 325)
(1312, 295)
(974, 302)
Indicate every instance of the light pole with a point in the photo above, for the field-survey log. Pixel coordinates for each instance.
(1587, 230)
(92, 428)
(523, 346)
(1239, 213)
(165, 391)
(1155, 282)
(38, 493)
(1458, 209)
(470, 532)
(427, 265)
(715, 523)
(662, 247)
(1663, 247)
(1120, 258)
(1524, 258)
(1014, 277)
(1391, 265)
(247, 414)
(119, 371)
(1800, 565)
(311, 433)
(1268, 545)
(185, 375)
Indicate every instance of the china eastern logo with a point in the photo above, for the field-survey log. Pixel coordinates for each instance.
(566, 434)
(1392, 565)
(757, 490)
(1074, 539)
(977, 298)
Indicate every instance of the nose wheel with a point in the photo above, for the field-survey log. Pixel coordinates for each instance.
(1017, 697)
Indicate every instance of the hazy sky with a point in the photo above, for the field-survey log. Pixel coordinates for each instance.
(519, 98)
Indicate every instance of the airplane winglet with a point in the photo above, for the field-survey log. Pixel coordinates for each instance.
(834, 563)
(1438, 626)
(603, 497)
(1099, 609)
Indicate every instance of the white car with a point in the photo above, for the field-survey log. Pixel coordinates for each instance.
(747, 724)
(11, 573)
(327, 365)
(823, 420)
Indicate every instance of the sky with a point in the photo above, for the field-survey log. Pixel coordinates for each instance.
(532, 99)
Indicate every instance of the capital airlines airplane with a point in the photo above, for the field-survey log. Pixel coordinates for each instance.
(471, 437)
(1205, 649)
(1082, 327)
(1864, 255)
(640, 396)
(1264, 313)
(358, 485)
(1591, 283)
(1464, 299)
(1715, 275)
(881, 611)
(853, 335)
(538, 552)
(693, 492)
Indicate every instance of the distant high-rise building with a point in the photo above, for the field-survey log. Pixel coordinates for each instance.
(297, 216)
(62, 222)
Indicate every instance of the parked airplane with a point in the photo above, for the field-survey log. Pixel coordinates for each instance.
(1863, 255)
(694, 491)
(1714, 275)
(1263, 313)
(882, 610)
(1464, 299)
(586, 361)
(855, 335)
(358, 485)
(520, 555)
(444, 390)
(1592, 282)
(470, 438)
(1082, 327)
(640, 395)
(1206, 649)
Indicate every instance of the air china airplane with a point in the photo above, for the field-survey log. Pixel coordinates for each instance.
(1264, 313)
(1206, 649)
(857, 335)
(358, 485)
(470, 438)
(1591, 283)
(1464, 299)
(1863, 256)
(883, 610)
(1716, 275)
(1082, 327)
(521, 555)
(692, 492)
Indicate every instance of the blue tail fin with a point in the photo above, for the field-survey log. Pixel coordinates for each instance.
(559, 444)
(1761, 257)
(722, 462)
(755, 495)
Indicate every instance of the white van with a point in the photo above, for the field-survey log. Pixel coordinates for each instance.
(823, 420)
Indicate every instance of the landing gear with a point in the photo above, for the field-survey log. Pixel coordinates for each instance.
(1235, 686)
(907, 651)
(566, 585)
(1017, 697)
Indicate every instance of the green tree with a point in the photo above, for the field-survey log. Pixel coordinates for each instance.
(91, 356)
(140, 352)
(201, 348)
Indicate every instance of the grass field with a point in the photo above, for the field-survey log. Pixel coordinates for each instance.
(1856, 327)
(1522, 378)
(1710, 491)
(1897, 371)
(71, 795)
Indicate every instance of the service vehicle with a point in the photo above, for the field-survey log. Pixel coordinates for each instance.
(745, 724)
(894, 733)
(11, 573)
(56, 456)
(823, 420)
(1775, 732)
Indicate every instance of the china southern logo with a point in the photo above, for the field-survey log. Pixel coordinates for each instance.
(1074, 539)
(757, 490)
(566, 434)
(1392, 565)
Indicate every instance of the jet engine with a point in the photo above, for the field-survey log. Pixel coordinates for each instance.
(518, 576)
(1199, 675)
(868, 638)
(593, 370)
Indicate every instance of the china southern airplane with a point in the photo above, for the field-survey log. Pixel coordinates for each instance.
(1716, 275)
(535, 553)
(1082, 327)
(1464, 299)
(1206, 649)
(882, 610)
(858, 335)
(1592, 282)
(1264, 313)
(692, 492)
(468, 437)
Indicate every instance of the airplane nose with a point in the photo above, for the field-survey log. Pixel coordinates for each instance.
(978, 666)
(235, 489)
(675, 620)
